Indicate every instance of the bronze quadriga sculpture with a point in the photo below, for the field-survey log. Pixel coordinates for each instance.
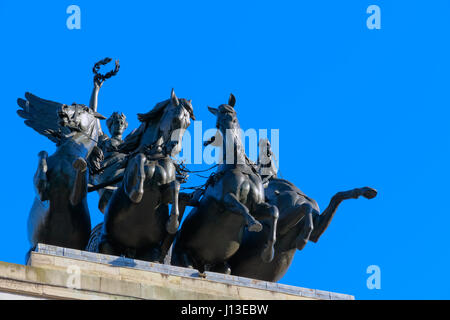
(111, 160)
(137, 220)
(244, 221)
(300, 221)
(232, 202)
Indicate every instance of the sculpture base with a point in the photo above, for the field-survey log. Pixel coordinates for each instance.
(61, 273)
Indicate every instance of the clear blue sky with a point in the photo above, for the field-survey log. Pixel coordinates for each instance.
(354, 107)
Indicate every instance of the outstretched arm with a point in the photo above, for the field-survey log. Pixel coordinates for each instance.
(98, 82)
(94, 95)
(100, 78)
(93, 103)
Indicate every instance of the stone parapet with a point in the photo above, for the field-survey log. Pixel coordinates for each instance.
(61, 273)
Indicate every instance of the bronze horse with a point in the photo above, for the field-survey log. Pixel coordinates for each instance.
(137, 220)
(300, 221)
(60, 215)
(231, 203)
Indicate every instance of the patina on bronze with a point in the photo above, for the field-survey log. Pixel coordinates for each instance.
(137, 221)
(300, 221)
(60, 215)
(231, 203)
(111, 160)
(245, 220)
(105, 162)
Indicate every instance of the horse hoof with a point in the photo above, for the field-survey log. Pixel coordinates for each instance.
(369, 193)
(136, 196)
(172, 225)
(268, 254)
(300, 243)
(79, 164)
(225, 269)
(255, 227)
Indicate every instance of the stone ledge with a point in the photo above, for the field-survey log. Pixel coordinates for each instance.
(100, 264)
(32, 283)
(101, 276)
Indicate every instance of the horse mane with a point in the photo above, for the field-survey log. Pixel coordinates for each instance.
(154, 114)
(151, 119)
(157, 111)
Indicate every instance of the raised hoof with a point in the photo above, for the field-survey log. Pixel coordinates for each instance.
(255, 226)
(79, 164)
(369, 193)
(300, 243)
(268, 253)
(135, 195)
(172, 225)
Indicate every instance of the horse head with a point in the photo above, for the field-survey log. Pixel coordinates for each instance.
(79, 118)
(226, 115)
(229, 132)
(170, 119)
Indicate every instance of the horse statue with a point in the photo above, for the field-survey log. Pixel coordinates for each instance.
(232, 201)
(300, 221)
(60, 215)
(137, 222)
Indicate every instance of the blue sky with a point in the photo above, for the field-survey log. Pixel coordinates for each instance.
(353, 106)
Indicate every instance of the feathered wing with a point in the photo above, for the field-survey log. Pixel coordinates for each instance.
(41, 115)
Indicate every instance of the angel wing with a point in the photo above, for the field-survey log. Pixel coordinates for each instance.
(41, 115)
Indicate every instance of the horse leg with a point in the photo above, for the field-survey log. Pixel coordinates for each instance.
(106, 247)
(292, 216)
(223, 267)
(149, 254)
(106, 194)
(322, 222)
(134, 178)
(79, 189)
(269, 213)
(189, 199)
(181, 258)
(305, 233)
(234, 205)
(165, 247)
(40, 177)
(183, 201)
(173, 222)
